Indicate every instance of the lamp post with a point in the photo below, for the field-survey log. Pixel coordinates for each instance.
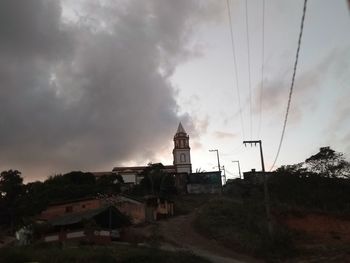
(217, 155)
(239, 169)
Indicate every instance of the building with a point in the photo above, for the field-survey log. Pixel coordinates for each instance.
(142, 210)
(68, 207)
(181, 169)
(182, 151)
(181, 161)
(256, 177)
(137, 210)
(69, 221)
(99, 225)
(204, 183)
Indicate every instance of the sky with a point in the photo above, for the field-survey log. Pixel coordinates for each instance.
(89, 85)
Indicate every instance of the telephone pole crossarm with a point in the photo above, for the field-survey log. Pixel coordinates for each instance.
(261, 152)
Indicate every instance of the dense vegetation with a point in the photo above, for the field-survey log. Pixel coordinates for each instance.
(19, 201)
(155, 181)
(242, 226)
(321, 184)
(311, 192)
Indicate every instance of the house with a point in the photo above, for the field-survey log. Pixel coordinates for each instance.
(99, 225)
(138, 210)
(58, 209)
(133, 207)
(204, 183)
(142, 210)
(132, 174)
(255, 177)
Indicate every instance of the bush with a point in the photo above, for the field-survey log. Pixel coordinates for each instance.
(312, 192)
(243, 226)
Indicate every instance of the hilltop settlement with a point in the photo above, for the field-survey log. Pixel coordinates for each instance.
(299, 212)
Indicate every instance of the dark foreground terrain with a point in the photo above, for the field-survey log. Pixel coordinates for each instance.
(92, 254)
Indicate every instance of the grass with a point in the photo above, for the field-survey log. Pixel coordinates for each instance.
(89, 254)
(242, 226)
(185, 204)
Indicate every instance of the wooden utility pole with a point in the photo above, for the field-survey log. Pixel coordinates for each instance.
(266, 189)
(217, 156)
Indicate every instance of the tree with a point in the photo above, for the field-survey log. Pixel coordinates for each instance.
(328, 163)
(11, 191)
(71, 185)
(321, 182)
(11, 184)
(109, 183)
(35, 198)
(156, 181)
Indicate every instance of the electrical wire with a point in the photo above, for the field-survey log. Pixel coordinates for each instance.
(249, 75)
(262, 67)
(235, 66)
(292, 84)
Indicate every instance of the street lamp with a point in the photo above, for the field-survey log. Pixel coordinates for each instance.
(239, 169)
(217, 155)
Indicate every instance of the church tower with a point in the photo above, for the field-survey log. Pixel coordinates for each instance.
(181, 152)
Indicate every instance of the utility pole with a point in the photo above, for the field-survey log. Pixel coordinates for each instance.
(266, 189)
(239, 169)
(217, 155)
(224, 175)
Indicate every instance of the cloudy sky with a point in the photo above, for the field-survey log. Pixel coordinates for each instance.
(88, 85)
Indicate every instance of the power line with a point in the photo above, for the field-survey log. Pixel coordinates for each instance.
(262, 66)
(235, 65)
(292, 84)
(249, 77)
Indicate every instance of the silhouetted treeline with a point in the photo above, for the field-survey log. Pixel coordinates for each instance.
(321, 183)
(310, 191)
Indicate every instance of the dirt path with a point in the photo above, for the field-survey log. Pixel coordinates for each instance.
(179, 232)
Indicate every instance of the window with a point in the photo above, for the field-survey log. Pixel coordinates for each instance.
(182, 158)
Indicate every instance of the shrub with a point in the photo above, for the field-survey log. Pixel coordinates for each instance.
(243, 226)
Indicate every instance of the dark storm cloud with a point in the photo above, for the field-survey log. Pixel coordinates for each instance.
(94, 92)
(29, 28)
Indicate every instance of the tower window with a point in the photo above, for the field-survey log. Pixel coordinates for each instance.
(182, 158)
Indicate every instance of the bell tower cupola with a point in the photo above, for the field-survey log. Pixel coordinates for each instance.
(181, 152)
